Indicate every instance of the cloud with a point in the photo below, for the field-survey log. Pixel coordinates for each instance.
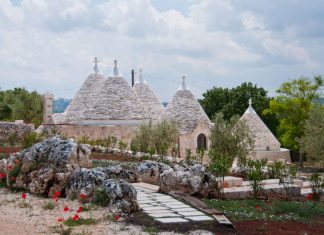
(49, 45)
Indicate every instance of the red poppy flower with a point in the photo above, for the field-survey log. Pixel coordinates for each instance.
(57, 194)
(117, 217)
(75, 217)
(60, 219)
(24, 195)
(2, 175)
(309, 196)
(66, 209)
(9, 167)
(80, 209)
(258, 207)
(82, 195)
(13, 178)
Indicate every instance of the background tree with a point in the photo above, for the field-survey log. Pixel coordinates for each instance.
(234, 101)
(292, 108)
(19, 104)
(229, 139)
(313, 140)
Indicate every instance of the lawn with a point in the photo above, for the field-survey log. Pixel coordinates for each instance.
(274, 210)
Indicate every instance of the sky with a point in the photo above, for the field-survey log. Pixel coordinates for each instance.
(49, 45)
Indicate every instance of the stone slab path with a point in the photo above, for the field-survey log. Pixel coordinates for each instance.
(165, 208)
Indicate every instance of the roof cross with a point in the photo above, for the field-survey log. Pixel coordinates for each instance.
(116, 72)
(95, 68)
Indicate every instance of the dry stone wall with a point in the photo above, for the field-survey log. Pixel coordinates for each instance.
(20, 129)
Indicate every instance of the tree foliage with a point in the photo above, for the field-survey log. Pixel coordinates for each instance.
(234, 101)
(313, 140)
(155, 137)
(229, 139)
(292, 108)
(19, 104)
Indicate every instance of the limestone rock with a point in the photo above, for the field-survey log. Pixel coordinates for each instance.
(149, 171)
(194, 180)
(122, 195)
(45, 167)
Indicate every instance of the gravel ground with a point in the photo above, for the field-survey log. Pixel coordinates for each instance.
(27, 216)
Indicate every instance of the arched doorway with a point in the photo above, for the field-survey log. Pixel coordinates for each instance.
(201, 142)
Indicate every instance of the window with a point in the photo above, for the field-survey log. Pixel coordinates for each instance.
(201, 142)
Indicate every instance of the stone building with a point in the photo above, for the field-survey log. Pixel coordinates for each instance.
(194, 124)
(266, 145)
(110, 107)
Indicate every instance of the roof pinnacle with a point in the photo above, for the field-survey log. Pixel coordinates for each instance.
(183, 84)
(95, 68)
(116, 72)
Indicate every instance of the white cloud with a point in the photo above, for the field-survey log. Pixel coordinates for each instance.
(49, 45)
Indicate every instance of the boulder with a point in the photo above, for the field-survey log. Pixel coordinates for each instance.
(121, 195)
(194, 180)
(46, 166)
(149, 171)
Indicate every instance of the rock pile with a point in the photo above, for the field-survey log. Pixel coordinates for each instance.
(55, 165)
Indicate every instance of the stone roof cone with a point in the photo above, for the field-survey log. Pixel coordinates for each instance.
(151, 103)
(186, 110)
(85, 96)
(116, 101)
(264, 139)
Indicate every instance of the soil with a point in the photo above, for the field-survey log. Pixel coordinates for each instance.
(257, 227)
(142, 219)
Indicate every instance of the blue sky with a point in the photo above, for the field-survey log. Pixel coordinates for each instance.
(49, 45)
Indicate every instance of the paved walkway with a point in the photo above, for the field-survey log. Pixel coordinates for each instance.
(165, 208)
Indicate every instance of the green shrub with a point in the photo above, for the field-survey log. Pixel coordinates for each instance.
(13, 139)
(31, 139)
(255, 175)
(49, 206)
(317, 184)
(101, 198)
(122, 145)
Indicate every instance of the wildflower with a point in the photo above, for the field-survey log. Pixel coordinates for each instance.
(2, 175)
(117, 217)
(13, 178)
(66, 209)
(60, 219)
(82, 195)
(75, 217)
(9, 167)
(258, 207)
(56, 195)
(309, 196)
(24, 196)
(80, 209)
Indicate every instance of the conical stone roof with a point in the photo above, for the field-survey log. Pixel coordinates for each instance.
(150, 102)
(84, 99)
(264, 139)
(116, 101)
(186, 110)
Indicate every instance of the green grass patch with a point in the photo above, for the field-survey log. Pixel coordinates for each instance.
(151, 230)
(49, 206)
(239, 210)
(81, 221)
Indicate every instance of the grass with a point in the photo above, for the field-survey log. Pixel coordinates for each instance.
(240, 210)
(81, 221)
(151, 230)
(49, 206)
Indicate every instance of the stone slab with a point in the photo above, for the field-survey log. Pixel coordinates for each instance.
(179, 206)
(154, 208)
(199, 218)
(172, 220)
(222, 219)
(164, 215)
(147, 186)
(161, 211)
(184, 209)
(190, 213)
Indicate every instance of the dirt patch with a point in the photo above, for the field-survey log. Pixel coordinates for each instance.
(145, 220)
(278, 228)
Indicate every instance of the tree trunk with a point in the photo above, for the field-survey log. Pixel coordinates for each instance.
(301, 159)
